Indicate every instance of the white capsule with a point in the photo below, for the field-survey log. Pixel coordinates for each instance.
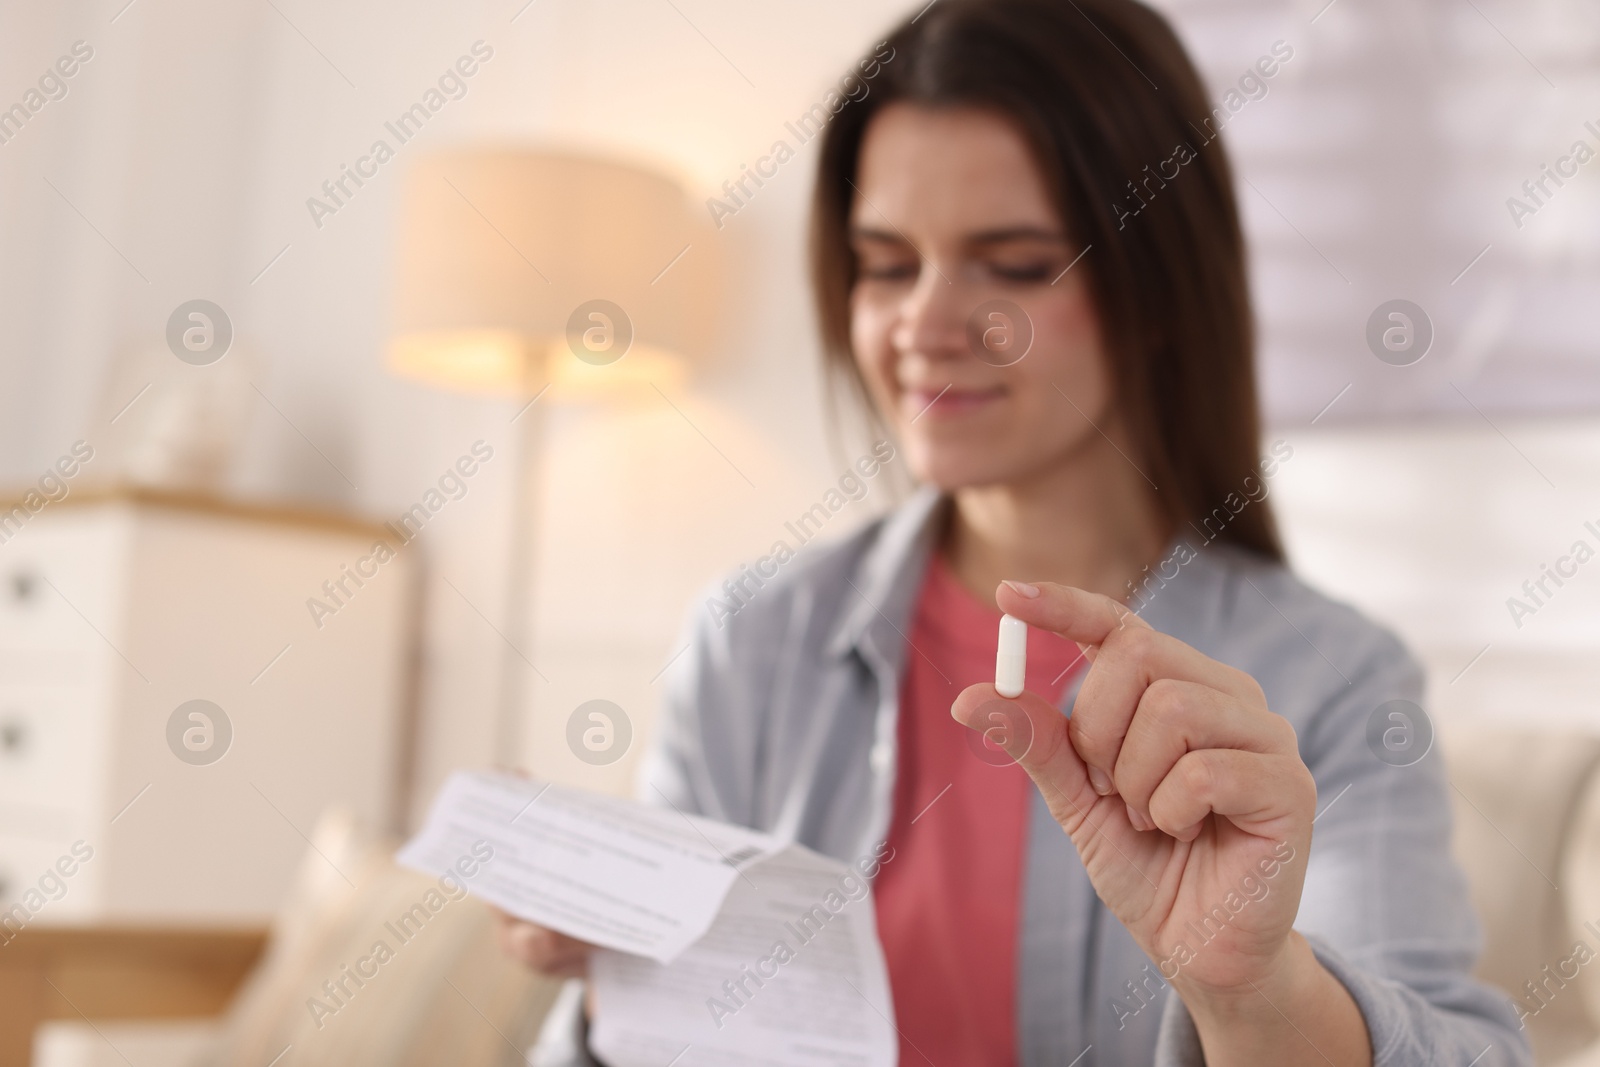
(1011, 661)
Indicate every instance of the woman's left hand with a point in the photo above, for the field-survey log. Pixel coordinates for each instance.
(1185, 795)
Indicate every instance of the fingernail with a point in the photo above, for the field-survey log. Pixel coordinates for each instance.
(1138, 820)
(1100, 782)
(1029, 591)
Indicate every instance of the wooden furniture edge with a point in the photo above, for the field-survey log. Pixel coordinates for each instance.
(117, 972)
(206, 504)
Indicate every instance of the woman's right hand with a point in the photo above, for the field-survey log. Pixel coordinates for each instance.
(552, 954)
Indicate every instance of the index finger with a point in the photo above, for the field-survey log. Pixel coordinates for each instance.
(1076, 614)
(1143, 654)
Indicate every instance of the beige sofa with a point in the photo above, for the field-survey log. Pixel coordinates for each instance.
(1527, 809)
(292, 996)
(1527, 832)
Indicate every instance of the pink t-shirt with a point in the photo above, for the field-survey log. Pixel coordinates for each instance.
(948, 902)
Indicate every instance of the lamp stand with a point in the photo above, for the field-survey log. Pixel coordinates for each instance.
(527, 486)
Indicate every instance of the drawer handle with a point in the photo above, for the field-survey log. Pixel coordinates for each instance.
(23, 586)
(13, 739)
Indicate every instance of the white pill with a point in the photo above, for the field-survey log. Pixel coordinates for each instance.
(1011, 661)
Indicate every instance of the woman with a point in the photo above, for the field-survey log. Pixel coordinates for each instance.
(1027, 255)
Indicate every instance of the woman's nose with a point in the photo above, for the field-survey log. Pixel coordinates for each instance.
(932, 321)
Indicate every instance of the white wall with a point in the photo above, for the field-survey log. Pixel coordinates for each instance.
(1435, 528)
(192, 139)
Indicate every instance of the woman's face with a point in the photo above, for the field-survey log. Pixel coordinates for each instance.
(950, 215)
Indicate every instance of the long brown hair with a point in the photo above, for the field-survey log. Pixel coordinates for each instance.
(1121, 130)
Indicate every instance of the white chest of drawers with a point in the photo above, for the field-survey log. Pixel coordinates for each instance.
(114, 611)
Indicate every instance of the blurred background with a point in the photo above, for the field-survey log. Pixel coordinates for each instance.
(243, 346)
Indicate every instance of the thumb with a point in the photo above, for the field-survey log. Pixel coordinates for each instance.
(1033, 733)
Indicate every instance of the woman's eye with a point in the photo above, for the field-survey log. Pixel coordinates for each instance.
(1023, 272)
(888, 271)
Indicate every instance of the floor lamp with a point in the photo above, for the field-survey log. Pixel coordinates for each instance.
(549, 278)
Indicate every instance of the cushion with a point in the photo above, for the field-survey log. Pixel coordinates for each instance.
(1519, 797)
(1580, 879)
(375, 964)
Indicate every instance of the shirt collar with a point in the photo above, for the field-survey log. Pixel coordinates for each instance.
(883, 583)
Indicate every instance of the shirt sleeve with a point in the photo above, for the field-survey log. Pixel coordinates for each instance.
(1385, 906)
(701, 758)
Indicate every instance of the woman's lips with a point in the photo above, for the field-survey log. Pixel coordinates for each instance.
(946, 401)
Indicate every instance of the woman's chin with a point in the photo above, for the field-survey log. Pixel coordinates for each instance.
(952, 469)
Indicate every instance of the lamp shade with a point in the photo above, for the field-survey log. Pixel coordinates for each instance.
(516, 268)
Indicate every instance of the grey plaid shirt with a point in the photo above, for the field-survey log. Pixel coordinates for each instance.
(783, 718)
